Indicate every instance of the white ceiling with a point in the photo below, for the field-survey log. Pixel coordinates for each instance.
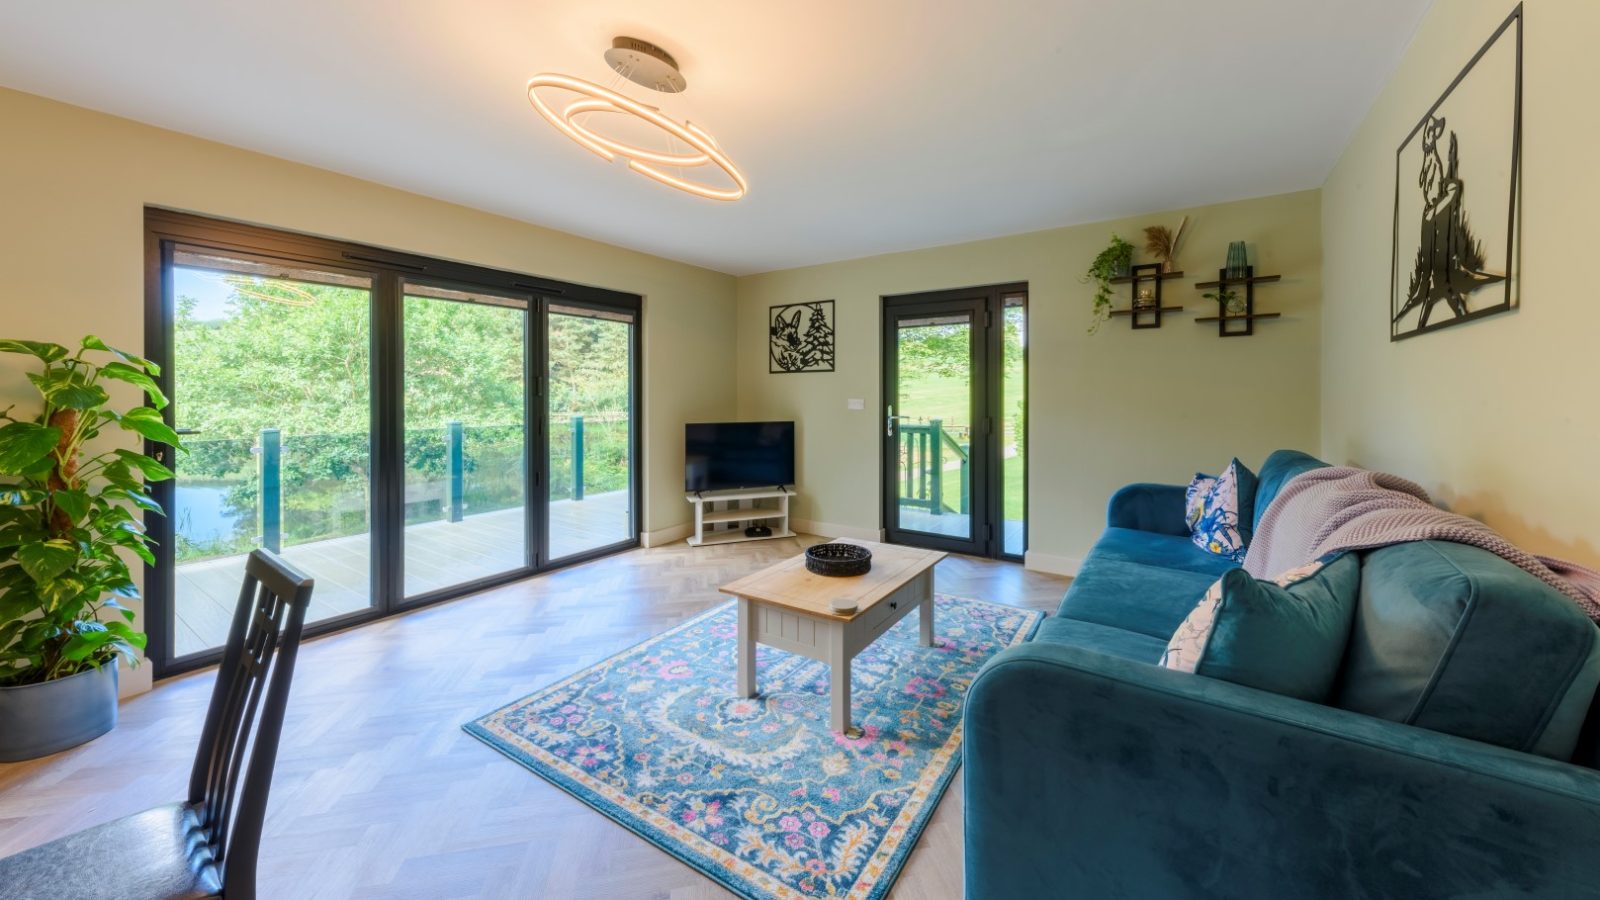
(864, 126)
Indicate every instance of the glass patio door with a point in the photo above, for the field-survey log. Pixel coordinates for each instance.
(592, 497)
(465, 436)
(270, 387)
(954, 464)
(403, 429)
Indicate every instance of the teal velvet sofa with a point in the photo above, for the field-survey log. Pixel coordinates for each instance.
(1454, 758)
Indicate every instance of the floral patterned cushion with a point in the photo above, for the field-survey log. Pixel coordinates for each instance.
(1286, 635)
(1194, 498)
(1220, 511)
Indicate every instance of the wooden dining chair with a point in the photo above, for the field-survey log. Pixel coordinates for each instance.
(207, 845)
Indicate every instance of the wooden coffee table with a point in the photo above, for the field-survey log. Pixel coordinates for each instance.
(787, 607)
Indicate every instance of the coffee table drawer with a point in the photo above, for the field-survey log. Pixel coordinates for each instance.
(882, 616)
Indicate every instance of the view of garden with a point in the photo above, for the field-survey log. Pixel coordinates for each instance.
(294, 358)
(935, 383)
(272, 389)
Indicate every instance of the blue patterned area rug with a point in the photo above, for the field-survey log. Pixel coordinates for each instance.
(758, 793)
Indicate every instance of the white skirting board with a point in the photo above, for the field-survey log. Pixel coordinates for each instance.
(669, 535)
(1051, 564)
(830, 530)
(132, 680)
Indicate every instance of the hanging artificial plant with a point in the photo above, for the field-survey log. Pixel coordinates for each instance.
(1112, 262)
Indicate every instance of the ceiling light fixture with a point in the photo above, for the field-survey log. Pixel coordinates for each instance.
(246, 286)
(643, 64)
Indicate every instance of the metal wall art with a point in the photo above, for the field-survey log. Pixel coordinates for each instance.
(1454, 254)
(800, 337)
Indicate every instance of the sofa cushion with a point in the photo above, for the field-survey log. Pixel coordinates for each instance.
(1222, 516)
(1141, 582)
(1194, 499)
(1166, 551)
(1286, 635)
(1101, 639)
(1455, 639)
(1279, 468)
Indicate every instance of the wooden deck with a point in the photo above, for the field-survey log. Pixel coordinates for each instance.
(437, 555)
(956, 525)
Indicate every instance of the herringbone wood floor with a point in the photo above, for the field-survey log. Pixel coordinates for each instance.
(379, 793)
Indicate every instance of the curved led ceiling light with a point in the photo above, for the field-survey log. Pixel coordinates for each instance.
(652, 67)
(245, 286)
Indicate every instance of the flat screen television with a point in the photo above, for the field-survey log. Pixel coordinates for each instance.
(721, 456)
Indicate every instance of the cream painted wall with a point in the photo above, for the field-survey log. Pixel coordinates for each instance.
(1105, 410)
(75, 184)
(1497, 418)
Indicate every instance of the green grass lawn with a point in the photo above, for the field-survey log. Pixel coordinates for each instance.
(1014, 494)
(949, 400)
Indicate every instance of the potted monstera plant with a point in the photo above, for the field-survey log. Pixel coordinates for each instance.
(71, 510)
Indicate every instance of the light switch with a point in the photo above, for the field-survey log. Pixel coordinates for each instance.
(855, 403)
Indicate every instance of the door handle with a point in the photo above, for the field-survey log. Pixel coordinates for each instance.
(889, 419)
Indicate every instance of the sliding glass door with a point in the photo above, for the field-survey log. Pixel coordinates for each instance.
(466, 485)
(591, 400)
(403, 429)
(270, 387)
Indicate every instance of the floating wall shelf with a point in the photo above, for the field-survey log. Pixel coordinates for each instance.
(1146, 316)
(1249, 316)
(1146, 309)
(1161, 276)
(1238, 318)
(1258, 279)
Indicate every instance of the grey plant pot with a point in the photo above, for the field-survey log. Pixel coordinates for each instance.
(40, 719)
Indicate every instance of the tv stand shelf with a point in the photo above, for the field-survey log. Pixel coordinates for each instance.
(735, 510)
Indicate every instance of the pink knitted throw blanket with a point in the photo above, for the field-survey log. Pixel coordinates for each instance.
(1343, 508)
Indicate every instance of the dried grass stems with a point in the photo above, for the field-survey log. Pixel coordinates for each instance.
(1162, 243)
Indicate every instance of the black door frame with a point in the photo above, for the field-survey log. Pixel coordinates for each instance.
(986, 304)
(165, 229)
(636, 425)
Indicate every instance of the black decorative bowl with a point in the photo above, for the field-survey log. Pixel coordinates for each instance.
(838, 560)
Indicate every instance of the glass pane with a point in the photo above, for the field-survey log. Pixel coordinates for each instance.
(271, 374)
(934, 475)
(466, 484)
(591, 430)
(1014, 425)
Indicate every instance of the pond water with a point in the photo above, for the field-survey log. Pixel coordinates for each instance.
(201, 513)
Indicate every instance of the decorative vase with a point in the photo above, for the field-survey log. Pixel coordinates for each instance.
(1235, 305)
(40, 719)
(1237, 260)
(1146, 299)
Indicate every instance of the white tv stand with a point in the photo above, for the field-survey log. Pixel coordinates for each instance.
(720, 517)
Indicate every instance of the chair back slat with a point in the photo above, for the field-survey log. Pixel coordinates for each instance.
(259, 644)
(253, 678)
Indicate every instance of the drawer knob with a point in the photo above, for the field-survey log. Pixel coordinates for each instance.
(894, 604)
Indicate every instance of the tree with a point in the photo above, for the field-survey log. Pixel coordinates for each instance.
(297, 357)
